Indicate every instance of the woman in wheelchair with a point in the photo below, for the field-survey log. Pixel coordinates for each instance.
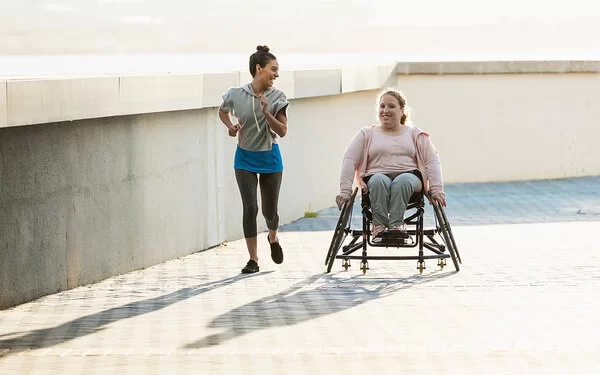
(391, 161)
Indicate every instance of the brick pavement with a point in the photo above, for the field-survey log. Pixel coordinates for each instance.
(525, 301)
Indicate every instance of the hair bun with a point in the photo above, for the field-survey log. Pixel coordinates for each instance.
(262, 48)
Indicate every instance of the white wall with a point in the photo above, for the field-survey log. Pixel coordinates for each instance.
(502, 127)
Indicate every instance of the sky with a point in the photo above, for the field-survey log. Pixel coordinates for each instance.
(450, 29)
(372, 12)
(477, 12)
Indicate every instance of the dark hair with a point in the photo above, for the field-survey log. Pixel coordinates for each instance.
(399, 97)
(262, 56)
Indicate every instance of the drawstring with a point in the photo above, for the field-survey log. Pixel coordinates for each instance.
(254, 113)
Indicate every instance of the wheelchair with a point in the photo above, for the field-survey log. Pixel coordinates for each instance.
(438, 241)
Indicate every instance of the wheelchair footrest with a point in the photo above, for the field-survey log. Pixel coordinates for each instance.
(392, 235)
(393, 238)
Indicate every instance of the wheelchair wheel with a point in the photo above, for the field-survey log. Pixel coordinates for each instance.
(340, 232)
(444, 230)
(451, 235)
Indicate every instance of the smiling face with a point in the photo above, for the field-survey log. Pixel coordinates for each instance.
(268, 74)
(390, 112)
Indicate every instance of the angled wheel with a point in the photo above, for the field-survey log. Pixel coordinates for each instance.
(342, 229)
(444, 232)
(451, 235)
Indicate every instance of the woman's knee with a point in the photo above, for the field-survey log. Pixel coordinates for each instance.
(379, 180)
(251, 210)
(407, 181)
(270, 213)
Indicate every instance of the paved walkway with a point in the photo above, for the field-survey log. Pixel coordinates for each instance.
(525, 301)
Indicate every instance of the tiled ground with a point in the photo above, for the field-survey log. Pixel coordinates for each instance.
(525, 301)
(546, 201)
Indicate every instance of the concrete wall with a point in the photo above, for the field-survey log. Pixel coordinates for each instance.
(119, 173)
(84, 200)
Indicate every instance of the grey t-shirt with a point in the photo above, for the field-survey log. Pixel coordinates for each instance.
(255, 134)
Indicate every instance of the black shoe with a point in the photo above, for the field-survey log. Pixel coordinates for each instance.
(276, 251)
(251, 267)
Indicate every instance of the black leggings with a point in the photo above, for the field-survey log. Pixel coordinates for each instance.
(269, 197)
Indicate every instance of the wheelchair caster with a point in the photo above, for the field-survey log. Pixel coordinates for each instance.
(421, 267)
(442, 263)
(346, 264)
(364, 267)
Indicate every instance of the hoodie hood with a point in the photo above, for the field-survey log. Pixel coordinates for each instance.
(248, 89)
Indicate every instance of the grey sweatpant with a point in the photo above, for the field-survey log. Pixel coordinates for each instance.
(391, 196)
(269, 197)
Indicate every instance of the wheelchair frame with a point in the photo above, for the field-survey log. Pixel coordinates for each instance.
(418, 235)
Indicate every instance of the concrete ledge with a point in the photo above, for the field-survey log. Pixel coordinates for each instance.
(498, 67)
(26, 102)
(146, 94)
(3, 122)
(34, 102)
(310, 83)
(367, 77)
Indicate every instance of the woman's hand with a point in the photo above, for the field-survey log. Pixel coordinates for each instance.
(439, 198)
(264, 104)
(233, 129)
(341, 200)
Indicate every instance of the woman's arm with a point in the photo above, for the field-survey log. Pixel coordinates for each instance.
(433, 169)
(277, 123)
(231, 127)
(225, 119)
(352, 158)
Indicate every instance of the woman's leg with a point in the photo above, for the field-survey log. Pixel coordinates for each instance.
(270, 184)
(379, 193)
(401, 190)
(247, 183)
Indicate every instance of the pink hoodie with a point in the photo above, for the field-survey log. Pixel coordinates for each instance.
(428, 162)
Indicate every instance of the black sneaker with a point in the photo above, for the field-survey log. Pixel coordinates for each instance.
(251, 267)
(276, 251)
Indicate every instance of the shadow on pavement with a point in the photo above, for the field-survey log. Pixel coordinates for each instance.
(89, 324)
(298, 304)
